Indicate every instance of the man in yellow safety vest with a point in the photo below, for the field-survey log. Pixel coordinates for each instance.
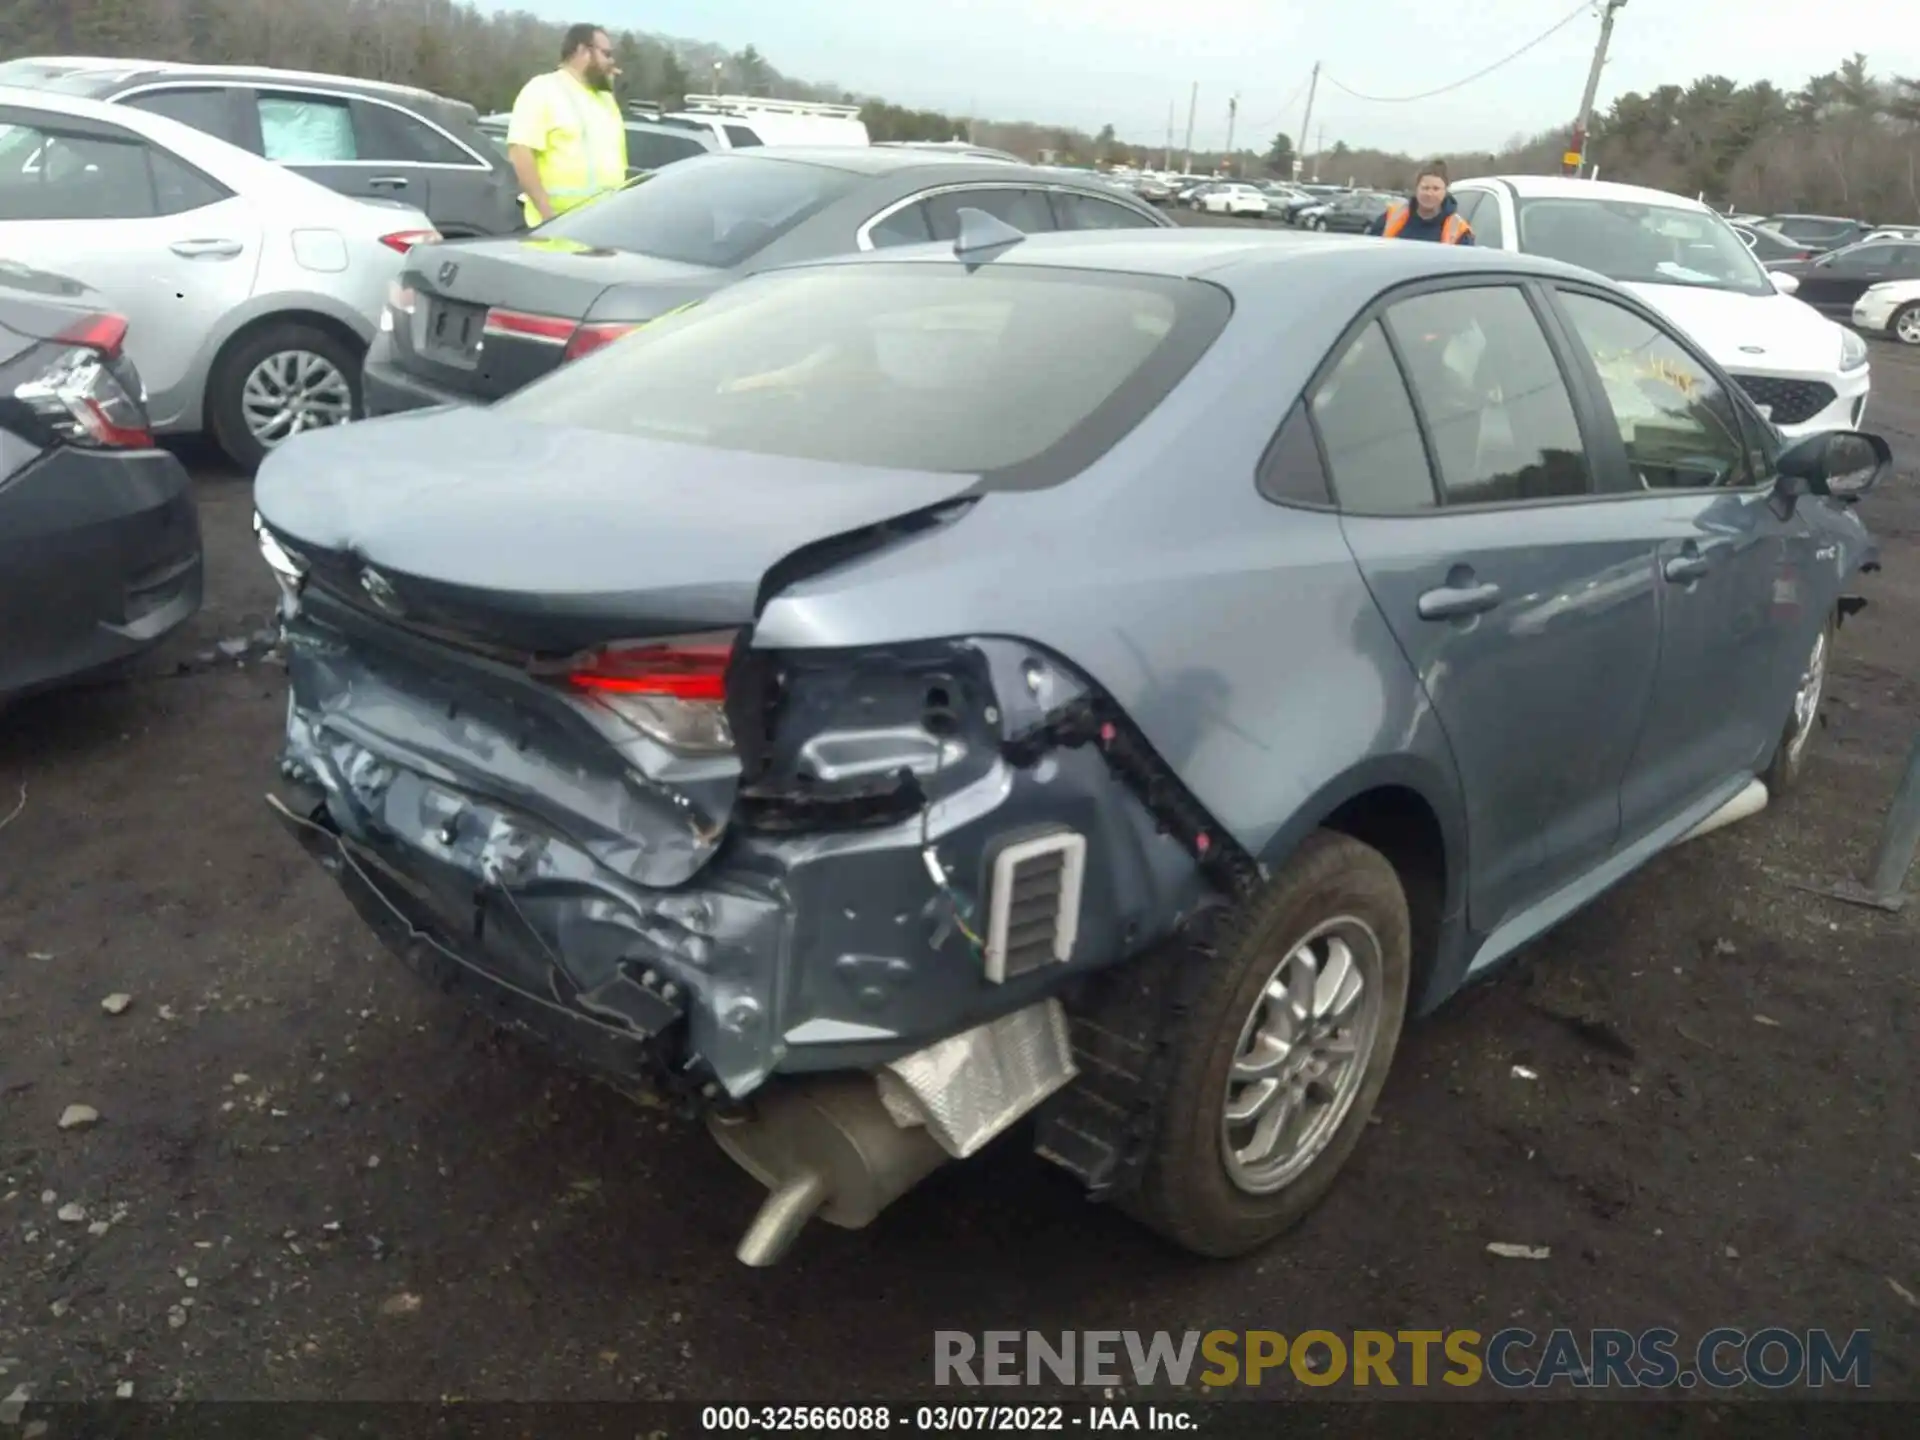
(1429, 214)
(567, 140)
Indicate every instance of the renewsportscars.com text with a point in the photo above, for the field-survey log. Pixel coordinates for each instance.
(1511, 1359)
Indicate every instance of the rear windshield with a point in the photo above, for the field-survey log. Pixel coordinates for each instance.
(718, 210)
(1020, 375)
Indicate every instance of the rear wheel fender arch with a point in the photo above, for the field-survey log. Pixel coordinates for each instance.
(1409, 809)
(233, 336)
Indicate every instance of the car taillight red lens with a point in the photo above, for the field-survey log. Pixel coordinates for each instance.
(405, 240)
(519, 325)
(589, 338)
(82, 388)
(672, 690)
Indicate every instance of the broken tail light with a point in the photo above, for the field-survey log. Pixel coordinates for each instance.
(673, 690)
(81, 387)
(404, 240)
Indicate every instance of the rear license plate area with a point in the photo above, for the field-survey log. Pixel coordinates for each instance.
(451, 332)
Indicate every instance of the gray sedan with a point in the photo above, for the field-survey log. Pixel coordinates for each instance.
(1114, 678)
(99, 538)
(472, 321)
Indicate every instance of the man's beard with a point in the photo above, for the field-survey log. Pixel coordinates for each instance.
(600, 78)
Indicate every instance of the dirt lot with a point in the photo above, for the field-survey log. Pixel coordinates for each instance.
(293, 1136)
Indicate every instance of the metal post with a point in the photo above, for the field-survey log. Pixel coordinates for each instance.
(1576, 155)
(1233, 113)
(1306, 121)
(1899, 837)
(1166, 160)
(1193, 105)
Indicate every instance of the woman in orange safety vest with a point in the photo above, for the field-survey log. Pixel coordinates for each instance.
(1429, 214)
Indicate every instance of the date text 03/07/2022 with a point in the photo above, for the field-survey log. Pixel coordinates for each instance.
(941, 1419)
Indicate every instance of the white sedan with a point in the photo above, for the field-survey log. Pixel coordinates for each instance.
(250, 292)
(1803, 371)
(1891, 308)
(1234, 200)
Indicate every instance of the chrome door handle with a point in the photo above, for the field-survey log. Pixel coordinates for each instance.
(206, 249)
(1451, 602)
(389, 182)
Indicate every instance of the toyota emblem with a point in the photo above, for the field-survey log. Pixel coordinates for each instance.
(447, 272)
(380, 591)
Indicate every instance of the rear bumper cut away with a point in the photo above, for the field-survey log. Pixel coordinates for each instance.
(724, 937)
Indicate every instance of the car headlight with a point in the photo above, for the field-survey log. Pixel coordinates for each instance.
(1853, 351)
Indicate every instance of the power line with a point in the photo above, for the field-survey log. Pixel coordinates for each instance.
(1255, 127)
(1477, 75)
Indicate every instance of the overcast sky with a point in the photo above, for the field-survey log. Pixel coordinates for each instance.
(1121, 62)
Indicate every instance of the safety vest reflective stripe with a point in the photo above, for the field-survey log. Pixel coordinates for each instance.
(1451, 229)
(586, 139)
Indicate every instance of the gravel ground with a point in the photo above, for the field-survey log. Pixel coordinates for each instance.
(310, 1178)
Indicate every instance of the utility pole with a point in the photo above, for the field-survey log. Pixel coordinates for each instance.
(1233, 114)
(1166, 159)
(1306, 121)
(1576, 155)
(1193, 105)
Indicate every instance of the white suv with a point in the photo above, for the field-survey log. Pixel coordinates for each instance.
(1802, 370)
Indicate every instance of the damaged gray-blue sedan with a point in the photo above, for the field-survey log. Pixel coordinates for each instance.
(1102, 681)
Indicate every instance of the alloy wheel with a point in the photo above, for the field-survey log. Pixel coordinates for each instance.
(1302, 1055)
(291, 391)
(1906, 326)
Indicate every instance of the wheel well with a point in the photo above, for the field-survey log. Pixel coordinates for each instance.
(1400, 824)
(326, 324)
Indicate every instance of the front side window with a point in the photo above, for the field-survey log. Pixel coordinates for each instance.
(1019, 375)
(1637, 243)
(1368, 430)
(206, 108)
(1074, 211)
(306, 129)
(1680, 428)
(717, 210)
(1497, 408)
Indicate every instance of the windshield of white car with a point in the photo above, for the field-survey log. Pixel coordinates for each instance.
(1641, 244)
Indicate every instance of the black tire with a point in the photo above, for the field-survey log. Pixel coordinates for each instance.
(225, 417)
(1789, 762)
(1910, 313)
(1187, 1192)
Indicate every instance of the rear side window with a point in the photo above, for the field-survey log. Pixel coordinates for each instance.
(1074, 211)
(1026, 210)
(386, 133)
(1369, 432)
(1021, 376)
(1497, 408)
(906, 226)
(718, 210)
(49, 174)
(206, 108)
(740, 137)
(650, 149)
(306, 129)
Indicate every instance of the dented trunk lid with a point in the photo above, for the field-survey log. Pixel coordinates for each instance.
(549, 540)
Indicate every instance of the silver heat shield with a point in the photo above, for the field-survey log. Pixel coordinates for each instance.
(968, 1088)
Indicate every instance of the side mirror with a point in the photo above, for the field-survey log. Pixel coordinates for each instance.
(1784, 283)
(1840, 464)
